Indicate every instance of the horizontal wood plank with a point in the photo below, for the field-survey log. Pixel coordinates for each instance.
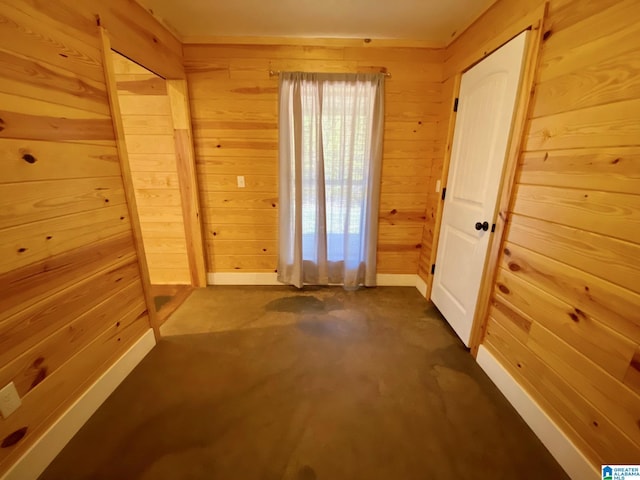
(614, 260)
(604, 346)
(30, 369)
(614, 124)
(612, 214)
(33, 242)
(34, 282)
(29, 160)
(593, 426)
(25, 329)
(591, 296)
(43, 81)
(608, 169)
(27, 202)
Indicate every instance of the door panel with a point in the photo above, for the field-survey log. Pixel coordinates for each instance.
(486, 106)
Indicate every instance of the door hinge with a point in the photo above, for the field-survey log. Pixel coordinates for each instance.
(493, 228)
(455, 105)
(433, 269)
(444, 192)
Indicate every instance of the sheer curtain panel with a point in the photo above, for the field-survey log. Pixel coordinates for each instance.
(331, 128)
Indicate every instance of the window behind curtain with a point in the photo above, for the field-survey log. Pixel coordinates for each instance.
(346, 120)
(338, 119)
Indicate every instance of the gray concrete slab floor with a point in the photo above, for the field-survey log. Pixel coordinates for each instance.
(320, 383)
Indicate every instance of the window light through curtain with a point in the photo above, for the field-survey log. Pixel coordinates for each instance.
(330, 161)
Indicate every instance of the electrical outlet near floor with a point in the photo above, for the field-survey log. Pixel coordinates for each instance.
(9, 400)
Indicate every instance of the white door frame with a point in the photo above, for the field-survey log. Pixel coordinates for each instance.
(533, 22)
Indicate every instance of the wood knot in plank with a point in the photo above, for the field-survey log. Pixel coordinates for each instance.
(514, 267)
(635, 362)
(546, 35)
(13, 438)
(503, 288)
(40, 376)
(580, 313)
(27, 157)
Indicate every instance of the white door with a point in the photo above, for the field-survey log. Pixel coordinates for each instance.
(482, 130)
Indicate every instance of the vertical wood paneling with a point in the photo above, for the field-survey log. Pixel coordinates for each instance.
(234, 106)
(564, 314)
(72, 300)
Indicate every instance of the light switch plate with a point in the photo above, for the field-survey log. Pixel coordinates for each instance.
(9, 400)
(240, 181)
(438, 186)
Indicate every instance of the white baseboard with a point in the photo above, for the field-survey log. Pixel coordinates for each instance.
(248, 278)
(50, 444)
(421, 285)
(560, 446)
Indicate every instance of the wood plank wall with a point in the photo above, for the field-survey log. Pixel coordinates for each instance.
(148, 126)
(72, 300)
(234, 105)
(565, 310)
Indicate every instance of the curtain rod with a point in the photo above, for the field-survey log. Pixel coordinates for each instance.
(275, 73)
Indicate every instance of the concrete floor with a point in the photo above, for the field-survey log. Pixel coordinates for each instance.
(276, 383)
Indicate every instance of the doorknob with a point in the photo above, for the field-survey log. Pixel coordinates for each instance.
(482, 226)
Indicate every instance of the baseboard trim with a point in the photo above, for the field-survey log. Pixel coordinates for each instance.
(248, 278)
(421, 285)
(50, 444)
(560, 446)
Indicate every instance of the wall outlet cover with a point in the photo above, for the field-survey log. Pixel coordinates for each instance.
(9, 400)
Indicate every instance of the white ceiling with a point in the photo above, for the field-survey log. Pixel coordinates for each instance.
(431, 21)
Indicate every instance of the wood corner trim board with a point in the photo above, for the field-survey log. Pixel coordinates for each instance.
(50, 444)
(552, 437)
(251, 278)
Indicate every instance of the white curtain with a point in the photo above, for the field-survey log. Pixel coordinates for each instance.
(331, 128)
